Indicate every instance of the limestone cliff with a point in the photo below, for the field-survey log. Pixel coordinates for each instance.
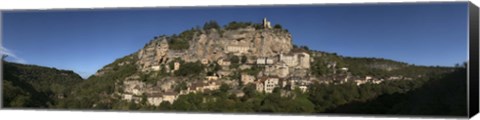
(211, 45)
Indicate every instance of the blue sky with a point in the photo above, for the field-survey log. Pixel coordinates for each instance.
(86, 40)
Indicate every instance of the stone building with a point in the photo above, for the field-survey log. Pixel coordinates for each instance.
(212, 77)
(266, 23)
(238, 93)
(246, 79)
(155, 99)
(223, 62)
(260, 84)
(289, 59)
(303, 88)
(204, 61)
(156, 68)
(304, 60)
(176, 66)
(169, 97)
(203, 86)
(299, 59)
(270, 84)
(237, 49)
(264, 61)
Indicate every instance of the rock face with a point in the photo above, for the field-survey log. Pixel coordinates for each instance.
(153, 54)
(213, 45)
(245, 41)
(158, 61)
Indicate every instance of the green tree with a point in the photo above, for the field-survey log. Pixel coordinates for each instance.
(165, 106)
(211, 25)
(190, 69)
(244, 59)
(277, 26)
(224, 88)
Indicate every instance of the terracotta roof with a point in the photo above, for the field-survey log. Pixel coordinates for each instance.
(262, 79)
(197, 84)
(274, 76)
(217, 82)
(154, 94)
(170, 93)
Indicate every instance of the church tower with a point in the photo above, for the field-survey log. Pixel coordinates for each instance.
(266, 23)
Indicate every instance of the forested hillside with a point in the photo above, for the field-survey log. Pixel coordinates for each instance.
(443, 95)
(35, 86)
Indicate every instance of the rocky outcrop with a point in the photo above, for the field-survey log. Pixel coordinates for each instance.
(157, 61)
(210, 46)
(245, 41)
(154, 54)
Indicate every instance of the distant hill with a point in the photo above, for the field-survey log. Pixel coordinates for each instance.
(35, 86)
(444, 95)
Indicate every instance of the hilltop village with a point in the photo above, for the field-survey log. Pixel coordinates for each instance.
(258, 55)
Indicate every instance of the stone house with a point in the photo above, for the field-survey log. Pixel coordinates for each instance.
(260, 84)
(127, 97)
(155, 99)
(196, 87)
(237, 49)
(360, 82)
(212, 85)
(176, 66)
(377, 81)
(264, 61)
(368, 78)
(299, 72)
(298, 82)
(297, 58)
(289, 59)
(304, 60)
(266, 23)
(223, 73)
(201, 87)
(238, 93)
(155, 67)
(245, 78)
(204, 61)
(223, 62)
(213, 77)
(169, 97)
(303, 88)
(244, 67)
(270, 84)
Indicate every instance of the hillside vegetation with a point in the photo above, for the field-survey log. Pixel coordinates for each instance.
(36, 86)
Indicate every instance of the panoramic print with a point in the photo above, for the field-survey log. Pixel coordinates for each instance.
(387, 59)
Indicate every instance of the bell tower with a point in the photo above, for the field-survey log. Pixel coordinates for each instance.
(266, 23)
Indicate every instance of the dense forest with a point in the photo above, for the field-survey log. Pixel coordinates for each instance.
(35, 86)
(444, 95)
